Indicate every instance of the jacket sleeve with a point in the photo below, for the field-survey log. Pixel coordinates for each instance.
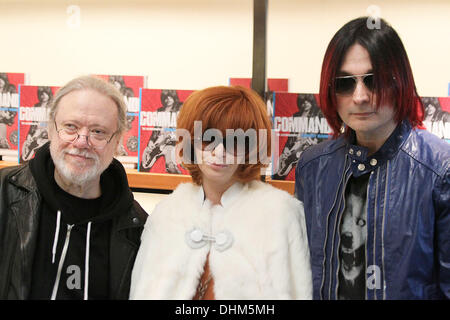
(139, 273)
(442, 207)
(298, 193)
(299, 260)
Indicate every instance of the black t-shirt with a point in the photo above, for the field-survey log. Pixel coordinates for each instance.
(353, 235)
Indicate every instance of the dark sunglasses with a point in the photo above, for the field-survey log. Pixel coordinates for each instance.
(346, 85)
(232, 144)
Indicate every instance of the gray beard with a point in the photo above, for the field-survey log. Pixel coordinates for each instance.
(79, 179)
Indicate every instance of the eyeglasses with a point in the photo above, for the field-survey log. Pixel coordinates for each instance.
(232, 144)
(95, 139)
(346, 85)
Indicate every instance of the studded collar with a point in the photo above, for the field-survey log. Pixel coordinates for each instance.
(361, 163)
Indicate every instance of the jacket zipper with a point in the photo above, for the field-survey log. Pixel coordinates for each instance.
(61, 262)
(326, 234)
(365, 243)
(339, 243)
(375, 209)
(382, 229)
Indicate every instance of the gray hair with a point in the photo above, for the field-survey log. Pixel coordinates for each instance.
(96, 84)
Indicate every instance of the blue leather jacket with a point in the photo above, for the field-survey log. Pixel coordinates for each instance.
(408, 213)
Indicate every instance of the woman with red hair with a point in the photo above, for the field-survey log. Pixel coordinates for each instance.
(228, 235)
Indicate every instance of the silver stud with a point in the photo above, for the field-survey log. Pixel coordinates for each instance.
(358, 153)
(350, 151)
(373, 162)
(361, 167)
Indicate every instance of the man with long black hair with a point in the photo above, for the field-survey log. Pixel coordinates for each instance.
(377, 196)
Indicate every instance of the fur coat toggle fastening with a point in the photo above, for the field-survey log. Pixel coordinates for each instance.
(196, 238)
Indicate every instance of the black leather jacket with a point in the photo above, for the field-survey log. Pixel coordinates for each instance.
(19, 220)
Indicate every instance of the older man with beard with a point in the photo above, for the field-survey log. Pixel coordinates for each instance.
(69, 226)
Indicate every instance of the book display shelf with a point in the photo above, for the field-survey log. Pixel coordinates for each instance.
(161, 181)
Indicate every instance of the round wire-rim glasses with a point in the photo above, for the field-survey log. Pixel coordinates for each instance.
(97, 141)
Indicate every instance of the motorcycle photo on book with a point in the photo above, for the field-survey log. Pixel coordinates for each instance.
(298, 124)
(437, 116)
(129, 86)
(33, 117)
(9, 120)
(159, 111)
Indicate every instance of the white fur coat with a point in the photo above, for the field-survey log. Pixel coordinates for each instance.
(268, 259)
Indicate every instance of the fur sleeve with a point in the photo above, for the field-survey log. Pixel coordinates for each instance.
(166, 267)
(299, 262)
(139, 274)
(286, 248)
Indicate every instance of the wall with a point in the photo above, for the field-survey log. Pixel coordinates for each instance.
(178, 44)
(148, 201)
(190, 44)
(299, 32)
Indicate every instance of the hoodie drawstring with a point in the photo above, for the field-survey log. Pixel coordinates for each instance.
(64, 252)
(61, 262)
(86, 261)
(55, 240)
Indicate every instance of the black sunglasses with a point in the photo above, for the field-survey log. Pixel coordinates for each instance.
(346, 85)
(232, 144)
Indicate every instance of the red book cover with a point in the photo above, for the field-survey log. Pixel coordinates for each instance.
(9, 107)
(33, 117)
(157, 138)
(437, 116)
(129, 86)
(298, 123)
(279, 85)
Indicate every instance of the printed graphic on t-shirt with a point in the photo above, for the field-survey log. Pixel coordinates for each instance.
(353, 233)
